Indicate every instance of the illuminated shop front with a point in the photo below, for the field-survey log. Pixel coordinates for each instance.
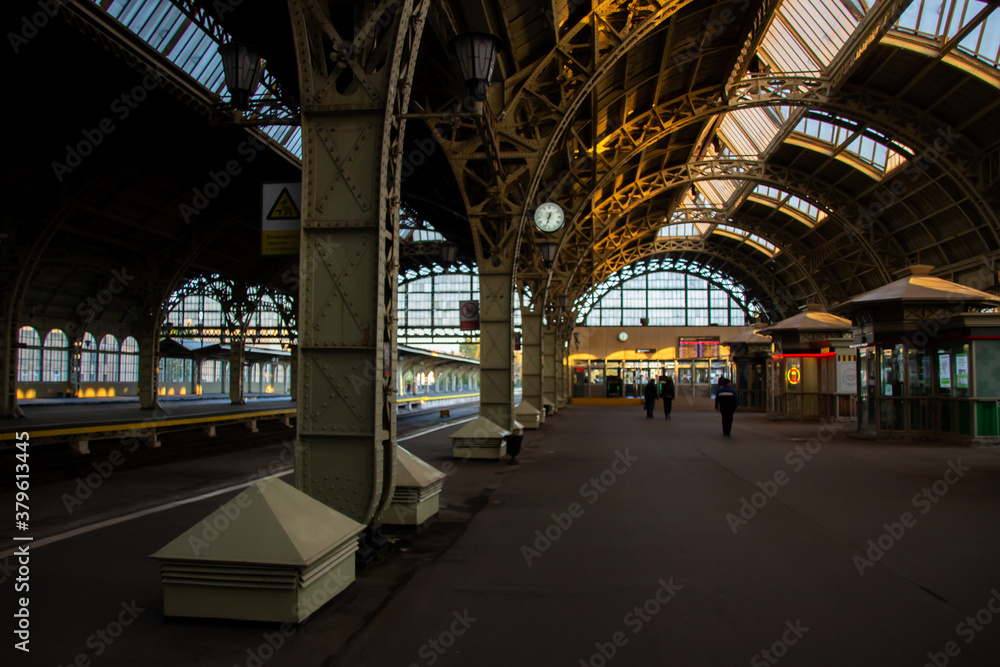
(811, 371)
(615, 362)
(928, 362)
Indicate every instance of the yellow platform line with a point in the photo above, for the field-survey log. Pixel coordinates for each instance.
(136, 426)
(423, 399)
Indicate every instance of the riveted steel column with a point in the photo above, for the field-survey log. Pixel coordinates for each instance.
(560, 361)
(149, 370)
(8, 406)
(496, 355)
(355, 66)
(530, 411)
(237, 356)
(550, 355)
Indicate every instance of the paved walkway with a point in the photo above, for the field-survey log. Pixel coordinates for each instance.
(620, 541)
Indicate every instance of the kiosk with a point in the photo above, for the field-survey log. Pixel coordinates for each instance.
(928, 363)
(811, 371)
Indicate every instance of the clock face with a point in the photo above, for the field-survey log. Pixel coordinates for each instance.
(549, 217)
(623, 336)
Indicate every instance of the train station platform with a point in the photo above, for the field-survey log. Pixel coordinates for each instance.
(83, 419)
(618, 540)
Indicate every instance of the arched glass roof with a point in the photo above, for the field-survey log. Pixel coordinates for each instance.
(974, 23)
(193, 46)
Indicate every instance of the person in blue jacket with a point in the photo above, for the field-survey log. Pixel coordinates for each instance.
(725, 403)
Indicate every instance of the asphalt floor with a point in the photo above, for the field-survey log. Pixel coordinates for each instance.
(617, 540)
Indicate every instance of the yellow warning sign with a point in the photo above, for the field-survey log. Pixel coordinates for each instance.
(284, 207)
(280, 243)
(280, 211)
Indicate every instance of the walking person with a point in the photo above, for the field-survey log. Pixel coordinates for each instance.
(649, 397)
(667, 393)
(725, 403)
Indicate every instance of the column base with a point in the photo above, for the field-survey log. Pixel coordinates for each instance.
(529, 415)
(271, 554)
(550, 407)
(479, 439)
(417, 494)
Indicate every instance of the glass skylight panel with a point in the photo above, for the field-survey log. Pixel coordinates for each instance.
(769, 192)
(687, 229)
(718, 192)
(807, 34)
(867, 148)
(823, 25)
(944, 19)
(784, 52)
(803, 206)
(780, 199)
(749, 131)
(424, 235)
(165, 28)
(984, 41)
(753, 240)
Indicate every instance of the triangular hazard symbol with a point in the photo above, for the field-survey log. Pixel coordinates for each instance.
(284, 208)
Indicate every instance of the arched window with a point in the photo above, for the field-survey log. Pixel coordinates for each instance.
(88, 358)
(129, 371)
(209, 371)
(55, 360)
(29, 355)
(667, 298)
(107, 361)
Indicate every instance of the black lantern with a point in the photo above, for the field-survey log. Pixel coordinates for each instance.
(243, 67)
(548, 252)
(477, 55)
(564, 301)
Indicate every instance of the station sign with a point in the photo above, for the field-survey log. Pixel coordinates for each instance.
(469, 316)
(281, 218)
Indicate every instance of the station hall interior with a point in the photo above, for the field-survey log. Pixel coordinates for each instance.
(372, 290)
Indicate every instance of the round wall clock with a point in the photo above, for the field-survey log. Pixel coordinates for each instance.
(549, 217)
(623, 336)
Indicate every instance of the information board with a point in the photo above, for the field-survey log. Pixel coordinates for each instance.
(700, 348)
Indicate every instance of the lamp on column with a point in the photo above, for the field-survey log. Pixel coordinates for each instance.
(477, 53)
(243, 68)
(548, 252)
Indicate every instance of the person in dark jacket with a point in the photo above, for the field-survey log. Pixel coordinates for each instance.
(725, 403)
(667, 393)
(649, 397)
